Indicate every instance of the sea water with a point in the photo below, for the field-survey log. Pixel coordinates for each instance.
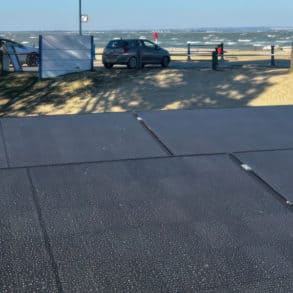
(240, 39)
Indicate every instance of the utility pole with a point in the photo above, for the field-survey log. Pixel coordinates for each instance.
(80, 30)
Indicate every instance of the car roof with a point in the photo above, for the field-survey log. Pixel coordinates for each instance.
(129, 40)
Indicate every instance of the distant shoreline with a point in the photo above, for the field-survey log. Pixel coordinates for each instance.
(236, 29)
(252, 39)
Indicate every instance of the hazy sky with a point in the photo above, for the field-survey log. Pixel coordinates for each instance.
(149, 14)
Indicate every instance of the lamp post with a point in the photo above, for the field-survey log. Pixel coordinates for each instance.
(80, 30)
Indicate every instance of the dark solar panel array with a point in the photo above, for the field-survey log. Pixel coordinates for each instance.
(181, 201)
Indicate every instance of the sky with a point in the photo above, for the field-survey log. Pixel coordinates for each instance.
(41, 15)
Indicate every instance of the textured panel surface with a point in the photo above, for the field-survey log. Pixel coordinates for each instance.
(172, 225)
(223, 130)
(3, 159)
(24, 262)
(275, 167)
(81, 138)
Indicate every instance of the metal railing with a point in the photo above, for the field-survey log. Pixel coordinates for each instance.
(209, 49)
(272, 55)
(196, 50)
(219, 53)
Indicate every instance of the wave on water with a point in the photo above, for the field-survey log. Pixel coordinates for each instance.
(218, 40)
(240, 40)
(211, 43)
(267, 48)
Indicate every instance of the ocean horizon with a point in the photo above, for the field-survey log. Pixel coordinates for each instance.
(240, 38)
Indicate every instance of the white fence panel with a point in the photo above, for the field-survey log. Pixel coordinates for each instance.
(62, 54)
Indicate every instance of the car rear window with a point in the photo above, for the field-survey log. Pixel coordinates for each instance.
(117, 44)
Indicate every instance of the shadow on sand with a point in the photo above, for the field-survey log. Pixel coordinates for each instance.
(121, 89)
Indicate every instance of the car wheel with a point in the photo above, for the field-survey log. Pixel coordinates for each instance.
(32, 59)
(165, 61)
(108, 65)
(132, 63)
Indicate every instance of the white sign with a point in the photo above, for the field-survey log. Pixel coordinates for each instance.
(84, 18)
(62, 54)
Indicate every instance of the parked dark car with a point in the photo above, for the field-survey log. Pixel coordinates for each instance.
(134, 51)
(26, 54)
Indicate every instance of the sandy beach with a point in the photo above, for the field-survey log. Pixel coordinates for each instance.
(184, 85)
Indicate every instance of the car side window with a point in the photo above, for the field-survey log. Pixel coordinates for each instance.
(115, 44)
(112, 44)
(149, 44)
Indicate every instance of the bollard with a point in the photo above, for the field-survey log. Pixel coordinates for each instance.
(214, 60)
(217, 53)
(273, 56)
(188, 52)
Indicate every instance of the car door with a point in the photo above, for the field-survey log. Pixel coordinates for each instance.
(150, 53)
